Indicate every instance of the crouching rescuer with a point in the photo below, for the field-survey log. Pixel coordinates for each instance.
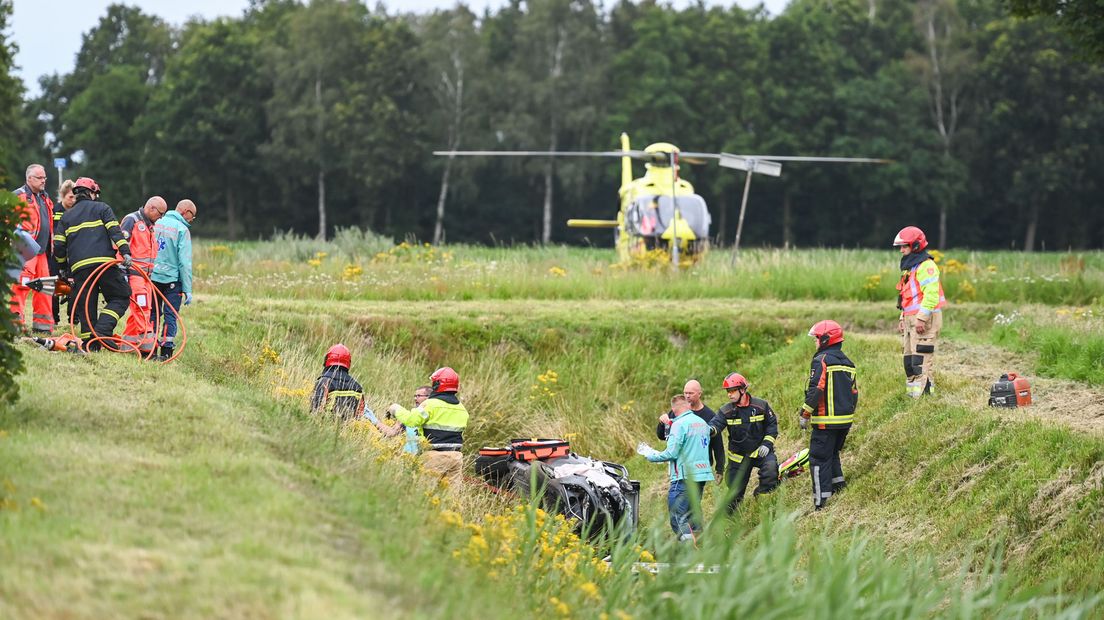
(830, 408)
(441, 419)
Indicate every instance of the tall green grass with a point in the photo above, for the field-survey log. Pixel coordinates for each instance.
(344, 270)
(1069, 342)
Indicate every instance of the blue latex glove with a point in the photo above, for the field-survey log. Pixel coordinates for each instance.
(187, 298)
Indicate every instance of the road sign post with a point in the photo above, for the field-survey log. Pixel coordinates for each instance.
(59, 163)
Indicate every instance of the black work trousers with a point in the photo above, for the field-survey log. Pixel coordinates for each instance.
(115, 289)
(824, 462)
(737, 476)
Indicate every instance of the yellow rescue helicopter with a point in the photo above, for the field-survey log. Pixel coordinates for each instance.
(660, 210)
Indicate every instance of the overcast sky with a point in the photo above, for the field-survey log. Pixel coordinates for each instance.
(48, 32)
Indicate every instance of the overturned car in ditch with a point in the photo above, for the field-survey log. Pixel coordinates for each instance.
(597, 494)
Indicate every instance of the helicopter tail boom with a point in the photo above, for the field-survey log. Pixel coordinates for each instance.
(592, 223)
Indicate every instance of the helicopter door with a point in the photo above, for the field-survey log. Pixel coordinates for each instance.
(643, 217)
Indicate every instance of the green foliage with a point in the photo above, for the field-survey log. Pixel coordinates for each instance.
(1070, 346)
(1080, 19)
(314, 116)
(10, 359)
(11, 93)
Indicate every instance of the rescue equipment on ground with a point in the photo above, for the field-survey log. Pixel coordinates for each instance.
(1011, 390)
(598, 494)
(65, 342)
(795, 465)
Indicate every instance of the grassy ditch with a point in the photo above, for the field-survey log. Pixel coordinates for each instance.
(202, 489)
(924, 472)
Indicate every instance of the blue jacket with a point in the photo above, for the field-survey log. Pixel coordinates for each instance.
(174, 251)
(687, 452)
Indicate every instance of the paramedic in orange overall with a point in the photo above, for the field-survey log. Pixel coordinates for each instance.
(441, 419)
(921, 301)
(36, 216)
(138, 229)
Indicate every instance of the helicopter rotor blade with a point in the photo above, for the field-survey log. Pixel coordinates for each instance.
(641, 155)
(826, 160)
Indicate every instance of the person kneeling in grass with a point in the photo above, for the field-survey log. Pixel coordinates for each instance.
(687, 458)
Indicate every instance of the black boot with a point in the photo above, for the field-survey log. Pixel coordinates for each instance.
(166, 353)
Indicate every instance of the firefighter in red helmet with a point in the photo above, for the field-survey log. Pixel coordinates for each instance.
(920, 300)
(752, 429)
(829, 408)
(441, 419)
(337, 392)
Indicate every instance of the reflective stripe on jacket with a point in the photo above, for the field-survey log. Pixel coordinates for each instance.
(336, 391)
(31, 213)
(833, 392)
(88, 235)
(143, 244)
(921, 290)
(749, 427)
(439, 421)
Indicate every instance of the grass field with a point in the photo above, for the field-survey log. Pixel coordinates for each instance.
(202, 489)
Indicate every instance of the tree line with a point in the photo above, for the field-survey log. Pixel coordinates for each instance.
(313, 116)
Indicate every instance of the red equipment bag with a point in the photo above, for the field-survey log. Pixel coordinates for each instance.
(539, 449)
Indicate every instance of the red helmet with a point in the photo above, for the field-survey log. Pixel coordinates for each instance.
(87, 183)
(338, 355)
(444, 379)
(912, 237)
(827, 333)
(735, 380)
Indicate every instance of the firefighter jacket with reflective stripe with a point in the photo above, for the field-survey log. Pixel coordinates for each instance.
(920, 291)
(833, 392)
(35, 214)
(88, 235)
(143, 245)
(441, 419)
(174, 251)
(336, 391)
(749, 427)
(687, 453)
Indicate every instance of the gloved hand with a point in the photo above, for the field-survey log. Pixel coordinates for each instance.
(763, 451)
(64, 274)
(392, 409)
(921, 326)
(645, 450)
(803, 422)
(128, 260)
(187, 298)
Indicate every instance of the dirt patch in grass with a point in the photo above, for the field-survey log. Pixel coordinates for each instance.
(1079, 406)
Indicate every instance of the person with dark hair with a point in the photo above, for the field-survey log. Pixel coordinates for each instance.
(441, 418)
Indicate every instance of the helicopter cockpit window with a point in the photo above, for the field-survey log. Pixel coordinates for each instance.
(651, 215)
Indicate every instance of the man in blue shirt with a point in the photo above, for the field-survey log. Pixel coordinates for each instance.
(687, 458)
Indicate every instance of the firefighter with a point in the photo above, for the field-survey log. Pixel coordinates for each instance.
(336, 390)
(138, 228)
(920, 300)
(36, 217)
(88, 236)
(441, 419)
(829, 408)
(752, 428)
